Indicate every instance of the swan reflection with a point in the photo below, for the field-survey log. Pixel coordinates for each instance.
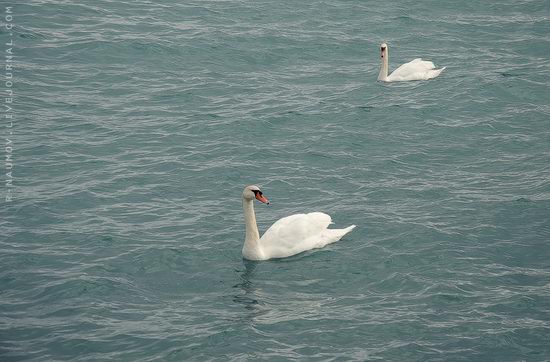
(248, 297)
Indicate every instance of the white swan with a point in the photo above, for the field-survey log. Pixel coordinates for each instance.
(416, 69)
(288, 236)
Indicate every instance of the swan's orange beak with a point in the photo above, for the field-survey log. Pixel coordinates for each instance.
(261, 198)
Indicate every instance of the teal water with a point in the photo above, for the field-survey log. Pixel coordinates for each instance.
(138, 124)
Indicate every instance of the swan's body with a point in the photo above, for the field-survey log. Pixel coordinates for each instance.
(416, 69)
(288, 236)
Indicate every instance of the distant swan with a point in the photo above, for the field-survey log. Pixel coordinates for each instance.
(288, 236)
(416, 69)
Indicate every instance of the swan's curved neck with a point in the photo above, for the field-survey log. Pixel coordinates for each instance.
(383, 75)
(251, 244)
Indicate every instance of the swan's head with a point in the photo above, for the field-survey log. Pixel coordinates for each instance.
(383, 50)
(253, 192)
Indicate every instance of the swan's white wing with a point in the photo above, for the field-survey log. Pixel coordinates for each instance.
(296, 227)
(296, 233)
(413, 66)
(416, 69)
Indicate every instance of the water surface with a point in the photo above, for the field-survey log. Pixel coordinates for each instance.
(138, 124)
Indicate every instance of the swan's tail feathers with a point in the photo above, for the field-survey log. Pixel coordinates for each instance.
(436, 72)
(333, 235)
(348, 229)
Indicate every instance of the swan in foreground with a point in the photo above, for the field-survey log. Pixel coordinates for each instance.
(288, 236)
(416, 69)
